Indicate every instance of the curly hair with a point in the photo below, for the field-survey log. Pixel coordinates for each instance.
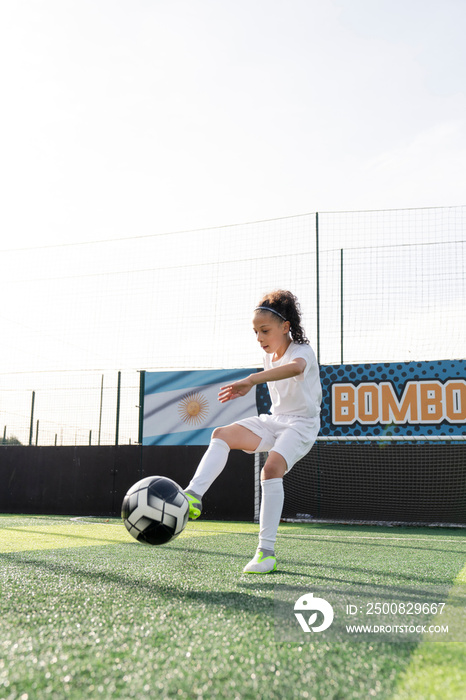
(287, 306)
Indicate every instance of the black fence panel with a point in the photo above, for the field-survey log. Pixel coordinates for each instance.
(410, 483)
(94, 480)
(399, 483)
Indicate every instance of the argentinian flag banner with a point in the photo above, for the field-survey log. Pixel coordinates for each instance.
(182, 408)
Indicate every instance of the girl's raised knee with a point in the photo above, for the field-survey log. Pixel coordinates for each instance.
(219, 433)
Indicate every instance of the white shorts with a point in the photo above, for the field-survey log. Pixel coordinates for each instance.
(291, 436)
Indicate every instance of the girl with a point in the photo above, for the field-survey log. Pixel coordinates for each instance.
(292, 376)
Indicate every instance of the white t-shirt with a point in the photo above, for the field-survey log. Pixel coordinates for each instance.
(300, 395)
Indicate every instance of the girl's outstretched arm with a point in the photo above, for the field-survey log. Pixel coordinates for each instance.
(243, 386)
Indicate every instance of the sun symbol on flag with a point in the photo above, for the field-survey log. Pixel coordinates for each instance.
(193, 408)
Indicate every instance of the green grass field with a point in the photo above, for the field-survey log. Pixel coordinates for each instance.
(87, 612)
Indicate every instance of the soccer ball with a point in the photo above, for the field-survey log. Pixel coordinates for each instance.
(155, 510)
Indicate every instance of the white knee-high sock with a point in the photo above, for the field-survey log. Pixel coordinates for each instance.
(273, 496)
(210, 466)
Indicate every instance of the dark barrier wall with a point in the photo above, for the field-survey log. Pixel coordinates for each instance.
(94, 480)
(405, 483)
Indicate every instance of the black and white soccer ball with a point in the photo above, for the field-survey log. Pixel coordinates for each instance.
(155, 510)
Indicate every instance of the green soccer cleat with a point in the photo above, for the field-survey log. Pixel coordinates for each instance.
(195, 505)
(261, 564)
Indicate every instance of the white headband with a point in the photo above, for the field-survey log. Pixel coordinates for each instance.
(267, 308)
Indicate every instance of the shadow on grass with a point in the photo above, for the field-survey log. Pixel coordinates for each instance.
(219, 575)
(363, 572)
(164, 591)
(383, 542)
(253, 595)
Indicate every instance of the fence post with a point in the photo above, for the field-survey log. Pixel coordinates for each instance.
(31, 424)
(317, 288)
(117, 427)
(341, 305)
(142, 385)
(100, 412)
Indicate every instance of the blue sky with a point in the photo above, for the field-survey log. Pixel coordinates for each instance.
(123, 118)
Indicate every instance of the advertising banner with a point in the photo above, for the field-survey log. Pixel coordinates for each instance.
(405, 399)
(401, 399)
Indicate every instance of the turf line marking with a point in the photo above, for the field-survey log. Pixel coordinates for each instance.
(375, 537)
(407, 537)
